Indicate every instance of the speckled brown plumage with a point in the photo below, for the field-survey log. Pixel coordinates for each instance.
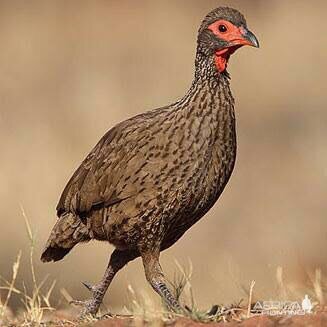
(151, 177)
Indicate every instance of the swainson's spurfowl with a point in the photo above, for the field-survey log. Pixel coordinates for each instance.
(153, 176)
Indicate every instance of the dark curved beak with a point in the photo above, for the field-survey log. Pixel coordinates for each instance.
(251, 38)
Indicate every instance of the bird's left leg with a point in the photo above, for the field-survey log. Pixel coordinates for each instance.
(156, 278)
(117, 261)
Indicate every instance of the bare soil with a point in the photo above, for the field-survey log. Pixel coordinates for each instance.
(316, 320)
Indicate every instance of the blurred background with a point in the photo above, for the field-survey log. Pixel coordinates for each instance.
(70, 70)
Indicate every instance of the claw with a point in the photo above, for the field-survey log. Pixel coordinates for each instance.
(88, 286)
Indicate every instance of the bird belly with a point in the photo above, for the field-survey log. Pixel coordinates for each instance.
(199, 199)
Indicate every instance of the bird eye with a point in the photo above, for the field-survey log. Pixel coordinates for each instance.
(222, 28)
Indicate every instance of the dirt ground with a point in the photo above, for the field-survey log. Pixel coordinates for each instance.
(316, 320)
(68, 317)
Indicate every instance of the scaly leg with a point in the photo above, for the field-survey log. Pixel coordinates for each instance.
(117, 261)
(156, 278)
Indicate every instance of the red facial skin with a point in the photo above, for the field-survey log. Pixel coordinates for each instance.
(234, 36)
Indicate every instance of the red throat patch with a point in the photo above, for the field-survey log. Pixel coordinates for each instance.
(221, 61)
(222, 57)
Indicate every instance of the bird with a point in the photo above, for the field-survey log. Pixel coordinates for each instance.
(153, 176)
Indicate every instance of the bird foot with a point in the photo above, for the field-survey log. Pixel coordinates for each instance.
(91, 306)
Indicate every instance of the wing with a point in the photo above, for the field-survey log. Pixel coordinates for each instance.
(103, 177)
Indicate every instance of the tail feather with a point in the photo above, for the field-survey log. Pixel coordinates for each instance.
(68, 231)
(54, 254)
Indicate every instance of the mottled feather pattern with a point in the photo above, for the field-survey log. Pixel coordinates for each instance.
(168, 165)
(151, 177)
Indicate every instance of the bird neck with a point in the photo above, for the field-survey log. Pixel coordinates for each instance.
(208, 106)
(206, 66)
(210, 88)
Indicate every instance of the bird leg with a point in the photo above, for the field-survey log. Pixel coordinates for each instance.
(117, 261)
(156, 278)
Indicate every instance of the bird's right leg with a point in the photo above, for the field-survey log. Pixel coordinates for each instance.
(117, 261)
(156, 278)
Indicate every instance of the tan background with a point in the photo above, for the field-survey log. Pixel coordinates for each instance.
(70, 70)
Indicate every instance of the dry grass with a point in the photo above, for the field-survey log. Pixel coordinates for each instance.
(37, 307)
(143, 309)
(35, 302)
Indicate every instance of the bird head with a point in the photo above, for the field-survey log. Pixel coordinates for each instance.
(223, 31)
